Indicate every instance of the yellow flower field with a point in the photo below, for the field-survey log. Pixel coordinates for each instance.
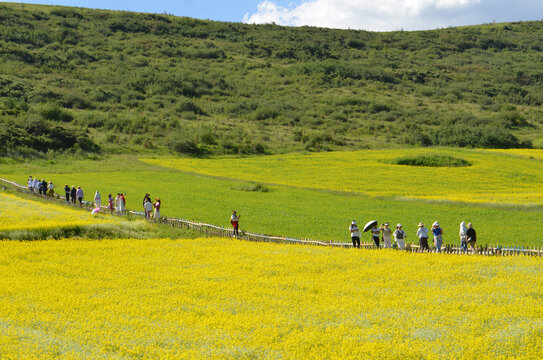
(18, 213)
(503, 177)
(217, 298)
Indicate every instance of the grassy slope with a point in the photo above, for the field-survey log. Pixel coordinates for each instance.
(284, 210)
(146, 82)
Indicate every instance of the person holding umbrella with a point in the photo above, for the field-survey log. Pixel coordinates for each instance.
(371, 225)
(355, 234)
(375, 231)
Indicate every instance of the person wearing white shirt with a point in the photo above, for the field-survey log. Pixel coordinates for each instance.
(399, 236)
(51, 188)
(97, 199)
(355, 234)
(422, 234)
(387, 235)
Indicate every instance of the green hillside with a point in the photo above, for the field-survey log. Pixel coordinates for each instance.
(75, 79)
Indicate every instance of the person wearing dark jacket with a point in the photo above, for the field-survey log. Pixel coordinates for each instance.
(72, 194)
(67, 191)
(471, 237)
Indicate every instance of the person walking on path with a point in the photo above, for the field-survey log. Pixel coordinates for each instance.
(36, 185)
(80, 194)
(73, 194)
(97, 199)
(387, 235)
(148, 207)
(422, 234)
(438, 236)
(355, 234)
(399, 236)
(471, 237)
(157, 208)
(234, 220)
(463, 236)
(375, 232)
(30, 185)
(111, 205)
(67, 191)
(51, 188)
(146, 198)
(122, 203)
(43, 187)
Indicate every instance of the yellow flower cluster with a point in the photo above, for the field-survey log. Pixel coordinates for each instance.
(217, 298)
(506, 177)
(18, 213)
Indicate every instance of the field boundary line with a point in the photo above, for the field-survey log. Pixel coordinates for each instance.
(210, 229)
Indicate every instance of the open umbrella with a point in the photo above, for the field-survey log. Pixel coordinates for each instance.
(369, 225)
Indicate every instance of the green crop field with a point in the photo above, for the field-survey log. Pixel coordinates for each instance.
(292, 209)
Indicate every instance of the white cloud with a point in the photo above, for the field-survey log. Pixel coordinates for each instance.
(380, 15)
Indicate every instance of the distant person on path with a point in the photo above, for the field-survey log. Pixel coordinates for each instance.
(438, 236)
(471, 237)
(73, 194)
(387, 235)
(146, 198)
(399, 236)
(234, 220)
(43, 187)
(98, 199)
(30, 185)
(355, 234)
(111, 205)
(122, 203)
(375, 232)
(36, 185)
(51, 188)
(148, 207)
(157, 208)
(463, 236)
(67, 191)
(80, 194)
(422, 234)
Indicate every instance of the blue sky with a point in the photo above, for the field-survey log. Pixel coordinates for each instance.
(375, 15)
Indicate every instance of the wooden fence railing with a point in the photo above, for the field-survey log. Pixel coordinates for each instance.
(214, 230)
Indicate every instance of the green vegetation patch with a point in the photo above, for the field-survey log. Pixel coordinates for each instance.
(430, 160)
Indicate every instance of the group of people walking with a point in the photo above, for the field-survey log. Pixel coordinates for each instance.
(41, 187)
(384, 234)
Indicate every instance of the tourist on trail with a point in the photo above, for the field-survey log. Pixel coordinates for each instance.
(111, 205)
(36, 185)
(97, 199)
(387, 235)
(67, 191)
(355, 234)
(73, 194)
(438, 236)
(463, 236)
(471, 237)
(80, 194)
(422, 234)
(375, 231)
(148, 207)
(146, 198)
(399, 236)
(122, 203)
(234, 220)
(51, 188)
(30, 185)
(43, 186)
(157, 208)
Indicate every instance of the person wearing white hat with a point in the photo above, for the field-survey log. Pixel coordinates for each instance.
(387, 235)
(438, 236)
(422, 234)
(355, 234)
(399, 236)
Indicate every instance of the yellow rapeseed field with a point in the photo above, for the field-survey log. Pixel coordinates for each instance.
(18, 213)
(217, 298)
(503, 177)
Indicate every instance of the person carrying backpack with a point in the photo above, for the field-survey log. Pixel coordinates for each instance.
(234, 220)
